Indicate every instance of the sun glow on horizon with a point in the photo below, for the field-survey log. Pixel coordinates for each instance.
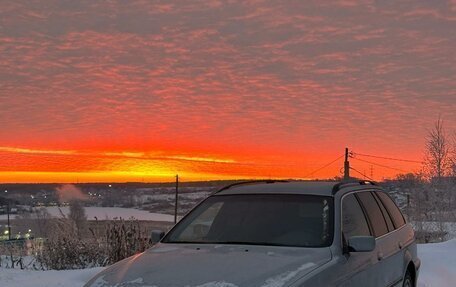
(69, 166)
(113, 176)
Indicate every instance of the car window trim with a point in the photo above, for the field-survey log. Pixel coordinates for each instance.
(386, 224)
(383, 210)
(380, 202)
(394, 202)
(391, 232)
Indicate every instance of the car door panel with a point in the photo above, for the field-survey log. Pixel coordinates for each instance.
(396, 242)
(383, 245)
(356, 268)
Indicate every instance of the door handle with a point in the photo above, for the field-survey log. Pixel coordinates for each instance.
(380, 256)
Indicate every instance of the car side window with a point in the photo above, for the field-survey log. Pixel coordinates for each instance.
(374, 213)
(354, 222)
(385, 213)
(392, 208)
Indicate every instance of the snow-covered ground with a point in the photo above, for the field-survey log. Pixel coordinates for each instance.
(26, 278)
(193, 196)
(103, 213)
(438, 269)
(438, 264)
(448, 227)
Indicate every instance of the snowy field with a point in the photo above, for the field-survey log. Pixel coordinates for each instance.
(192, 196)
(438, 264)
(438, 270)
(448, 227)
(107, 213)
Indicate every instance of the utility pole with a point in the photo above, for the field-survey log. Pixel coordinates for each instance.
(346, 166)
(176, 201)
(9, 223)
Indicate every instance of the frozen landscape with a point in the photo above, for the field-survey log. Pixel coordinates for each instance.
(107, 213)
(438, 264)
(438, 269)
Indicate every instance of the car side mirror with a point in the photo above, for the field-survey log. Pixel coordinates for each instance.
(361, 244)
(156, 236)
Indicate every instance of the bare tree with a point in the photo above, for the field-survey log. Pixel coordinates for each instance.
(453, 156)
(43, 222)
(452, 181)
(437, 153)
(78, 216)
(438, 168)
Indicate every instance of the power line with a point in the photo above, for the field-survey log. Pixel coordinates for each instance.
(325, 166)
(388, 158)
(365, 176)
(377, 164)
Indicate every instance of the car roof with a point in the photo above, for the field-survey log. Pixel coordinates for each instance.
(324, 188)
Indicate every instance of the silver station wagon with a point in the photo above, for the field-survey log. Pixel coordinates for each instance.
(277, 234)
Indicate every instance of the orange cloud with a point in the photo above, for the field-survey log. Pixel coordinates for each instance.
(120, 91)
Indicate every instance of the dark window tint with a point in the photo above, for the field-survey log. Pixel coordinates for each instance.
(354, 222)
(262, 219)
(387, 217)
(374, 213)
(395, 213)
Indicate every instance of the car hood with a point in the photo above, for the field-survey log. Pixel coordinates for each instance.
(181, 265)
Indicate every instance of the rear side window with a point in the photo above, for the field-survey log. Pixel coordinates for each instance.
(354, 222)
(374, 213)
(393, 210)
(385, 213)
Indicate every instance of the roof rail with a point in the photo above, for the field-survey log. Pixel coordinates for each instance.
(249, 182)
(352, 182)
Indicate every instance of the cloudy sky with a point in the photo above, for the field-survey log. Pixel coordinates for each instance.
(142, 90)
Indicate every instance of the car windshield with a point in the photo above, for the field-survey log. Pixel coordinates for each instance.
(259, 219)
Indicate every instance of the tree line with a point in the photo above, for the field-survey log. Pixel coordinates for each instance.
(431, 192)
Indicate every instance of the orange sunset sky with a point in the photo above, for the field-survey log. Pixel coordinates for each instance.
(142, 90)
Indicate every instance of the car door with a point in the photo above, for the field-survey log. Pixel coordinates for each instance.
(385, 250)
(357, 268)
(396, 241)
